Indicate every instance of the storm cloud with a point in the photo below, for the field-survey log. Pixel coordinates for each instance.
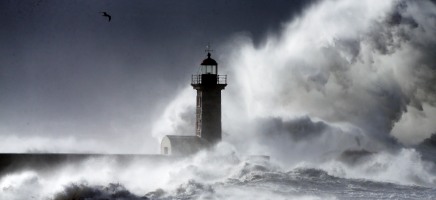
(72, 82)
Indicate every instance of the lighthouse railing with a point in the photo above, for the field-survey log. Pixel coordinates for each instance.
(196, 79)
(222, 79)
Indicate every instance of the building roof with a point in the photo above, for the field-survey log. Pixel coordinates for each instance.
(184, 145)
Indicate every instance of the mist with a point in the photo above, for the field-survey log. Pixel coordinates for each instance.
(343, 75)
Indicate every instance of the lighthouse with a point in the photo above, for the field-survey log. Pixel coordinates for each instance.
(208, 85)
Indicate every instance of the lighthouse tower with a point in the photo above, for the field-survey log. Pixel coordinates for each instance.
(208, 84)
(208, 112)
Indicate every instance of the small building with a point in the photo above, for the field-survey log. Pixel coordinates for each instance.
(182, 144)
(208, 84)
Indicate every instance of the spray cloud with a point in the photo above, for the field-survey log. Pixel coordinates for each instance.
(360, 72)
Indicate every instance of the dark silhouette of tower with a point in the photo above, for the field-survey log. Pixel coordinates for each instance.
(208, 111)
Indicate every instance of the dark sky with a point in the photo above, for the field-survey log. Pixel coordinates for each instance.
(65, 72)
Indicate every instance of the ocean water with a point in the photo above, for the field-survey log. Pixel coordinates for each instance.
(223, 174)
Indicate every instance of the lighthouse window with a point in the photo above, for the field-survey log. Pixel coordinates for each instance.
(208, 69)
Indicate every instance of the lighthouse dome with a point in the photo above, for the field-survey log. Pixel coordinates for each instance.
(209, 61)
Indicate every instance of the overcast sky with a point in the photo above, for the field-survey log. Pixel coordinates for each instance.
(66, 73)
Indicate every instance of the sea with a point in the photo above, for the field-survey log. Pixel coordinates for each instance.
(222, 173)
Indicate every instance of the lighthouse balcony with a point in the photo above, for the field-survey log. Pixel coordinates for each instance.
(209, 79)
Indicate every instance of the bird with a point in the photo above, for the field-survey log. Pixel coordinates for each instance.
(104, 14)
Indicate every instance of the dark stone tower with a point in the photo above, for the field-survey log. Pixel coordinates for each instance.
(208, 113)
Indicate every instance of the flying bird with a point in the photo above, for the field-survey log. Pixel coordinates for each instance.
(104, 14)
